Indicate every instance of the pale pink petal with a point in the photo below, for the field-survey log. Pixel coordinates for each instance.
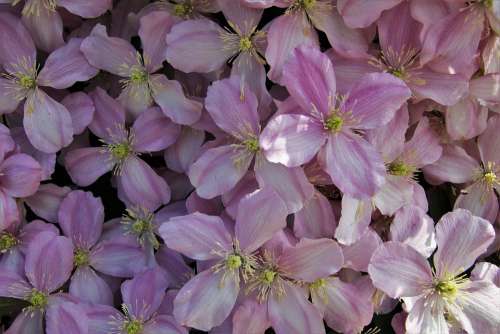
(357, 255)
(491, 61)
(20, 175)
(153, 131)
(461, 238)
(291, 184)
(9, 212)
(153, 31)
(362, 13)
(45, 202)
(181, 155)
(466, 119)
(8, 102)
(486, 88)
(293, 313)
(427, 12)
(89, 287)
(16, 42)
(196, 235)
(455, 166)
(316, 219)
(241, 120)
(411, 226)
(86, 8)
(136, 98)
(374, 100)
(81, 108)
(489, 141)
(394, 193)
(260, 215)
(86, 165)
(399, 270)
(168, 94)
(66, 318)
(108, 114)
(243, 17)
(218, 170)
(202, 38)
(292, 140)
(27, 323)
(354, 220)
(206, 288)
(348, 71)
(163, 324)
(423, 148)
(486, 271)
(140, 185)
(479, 200)
(46, 28)
(285, 34)
(361, 171)
(103, 319)
(312, 259)
(65, 66)
(309, 77)
(265, 3)
(250, 318)
(427, 316)
(232, 198)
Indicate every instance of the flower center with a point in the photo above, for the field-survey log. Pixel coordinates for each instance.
(133, 327)
(245, 44)
(447, 288)
(7, 241)
(139, 221)
(398, 72)
(268, 276)
(334, 123)
(27, 82)
(138, 75)
(399, 168)
(38, 299)
(81, 257)
(182, 9)
(251, 145)
(120, 151)
(233, 261)
(306, 4)
(318, 284)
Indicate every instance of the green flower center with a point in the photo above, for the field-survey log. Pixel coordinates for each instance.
(306, 4)
(27, 81)
(133, 327)
(490, 178)
(7, 241)
(182, 9)
(140, 226)
(38, 299)
(334, 123)
(399, 169)
(120, 151)
(138, 75)
(252, 145)
(447, 289)
(233, 261)
(268, 276)
(397, 72)
(245, 44)
(81, 257)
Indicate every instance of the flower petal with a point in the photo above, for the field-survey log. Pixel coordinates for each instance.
(362, 13)
(486, 88)
(455, 166)
(427, 316)
(86, 8)
(316, 219)
(81, 107)
(66, 318)
(16, 43)
(86, 165)
(153, 131)
(181, 155)
(357, 255)
(89, 287)
(466, 119)
(108, 115)
(45, 202)
(489, 141)
(20, 175)
(163, 324)
(354, 219)
(423, 148)
(153, 31)
(46, 28)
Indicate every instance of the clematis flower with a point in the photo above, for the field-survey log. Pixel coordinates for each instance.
(47, 123)
(219, 169)
(48, 265)
(482, 177)
(437, 299)
(186, 9)
(141, 87)
(330, 124)
(138, 184)
(81, 218)
(45, 23)
(142, 297)
(207, 299)
(400, 52)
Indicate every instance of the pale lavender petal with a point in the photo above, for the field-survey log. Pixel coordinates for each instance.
(86, 165)
(81, 108)
(176, 269)
(486, 271)
(164, 324)
(394, 193)
(486, 88)
(260, 215)
(153, 131)
(232, 199)
(466, 119)
(89, 287)
(311, 259)
(461, 238)
(357, 255)
(446, 89)
(399, 270)
(16, 42)
(455, 166)
(66, 318)
(251, 317)
(27, 323)
(316, 219)
(362, 13)
(427, 316)
(479, 200)
(354, 220)
(104, 319)
(9, 211)
(181, 155)
(243, 17)
(65, 66)
(153, 31)
(8, 102)
(423, 148)
(196, 235)
(46, 28)
(107, 116)
(489, 141)
(20, 175)
(45, 202)
(86, 8)
(119, 257)
(13, 285)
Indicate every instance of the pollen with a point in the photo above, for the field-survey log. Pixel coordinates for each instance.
(183, 9)
(81, 257)
(399, 168)
(120, 151)
(133, 327)
(139, 222)
(245, 44)
(447, 288)
(251, 145)
(138, 75)
(7, 241)
(268, 276)
(233, 261)
(334, 123)
(318, 284)
(27, 82)
(38, 299)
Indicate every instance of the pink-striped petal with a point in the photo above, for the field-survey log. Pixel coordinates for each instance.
(153, 131)
(86, 165)
(20, 175)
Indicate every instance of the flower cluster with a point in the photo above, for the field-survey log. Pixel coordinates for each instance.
(249, 166)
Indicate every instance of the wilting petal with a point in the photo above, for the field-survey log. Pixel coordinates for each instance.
(312, 259)
(81, 107)
(427, 316)
(81, 216)
(65, 66)
(110, 54)
(16, 43)
(354, 220)
(45, 202)
(163, 324)
(144, 293)
(293, 313)
(153, 31)
(206, 288)
(218, 170)
(169, 95)
(479, 200)
(399, 270)
(374, 100)
(250, 318)
(285, 34)
(202, 38)
(361, 171)
(153, 131)
(345, 308)
(140, 185)
(49, 261)
(489, 141)
(118, 257)
(486, 88)
(446, 89)
(20, 175)
(242, 119)
(292, 140)
(411, 226)
(362, 13)
(89, 287)
(316, 219)
(109, 114)
(291, 184)
(47, 123)
(423, 148)
(260, 215)
(67, 318)
(181, 155)
(27, 323)
(466, 119)
(461, 238)
(455, 166)
(86, 165)
(309, 77)
(86, 8)
(357, 255)
(196, 235)
(46, 27)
